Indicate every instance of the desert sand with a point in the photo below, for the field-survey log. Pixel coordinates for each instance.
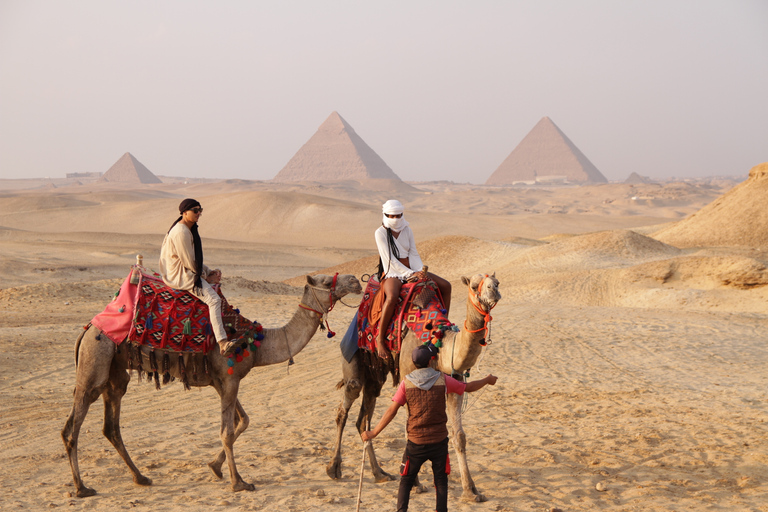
(627, 363)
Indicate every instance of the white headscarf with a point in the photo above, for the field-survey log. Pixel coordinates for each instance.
(393, 207)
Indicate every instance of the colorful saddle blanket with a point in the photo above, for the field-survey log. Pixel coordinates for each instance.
(147, 312)
(419, 309)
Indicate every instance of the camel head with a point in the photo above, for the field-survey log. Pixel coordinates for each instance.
(335, 287)
(488, 294)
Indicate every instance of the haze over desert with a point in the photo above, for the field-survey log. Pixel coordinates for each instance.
(630, 343)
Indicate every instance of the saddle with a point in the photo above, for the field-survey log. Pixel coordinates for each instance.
(419, 309)
(147, 312)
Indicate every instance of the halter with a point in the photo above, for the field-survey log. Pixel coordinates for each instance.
(485, 314)
(331, 334)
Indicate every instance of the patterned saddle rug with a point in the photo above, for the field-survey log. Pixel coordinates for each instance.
(419, 309)
(147, 312)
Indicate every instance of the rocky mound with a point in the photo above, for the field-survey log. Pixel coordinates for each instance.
(737, 218)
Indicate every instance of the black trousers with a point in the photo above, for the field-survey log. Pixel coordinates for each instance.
(415, 455)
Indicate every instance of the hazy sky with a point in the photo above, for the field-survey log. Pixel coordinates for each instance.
(439, 89)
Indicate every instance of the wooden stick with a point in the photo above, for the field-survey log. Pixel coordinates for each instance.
(362, 470)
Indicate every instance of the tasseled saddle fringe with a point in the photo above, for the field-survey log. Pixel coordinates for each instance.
(136, 359)
(376, 368)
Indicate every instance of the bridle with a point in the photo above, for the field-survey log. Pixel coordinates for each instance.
(325, 312)
(486, 314)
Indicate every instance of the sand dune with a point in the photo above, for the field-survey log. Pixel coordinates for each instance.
(624, 359)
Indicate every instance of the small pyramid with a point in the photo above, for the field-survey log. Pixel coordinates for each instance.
(545, 154)
(335, 152)
(636, 179)
(129, 170)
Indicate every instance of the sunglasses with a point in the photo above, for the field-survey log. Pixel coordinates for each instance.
(196, 210)
(394, 215)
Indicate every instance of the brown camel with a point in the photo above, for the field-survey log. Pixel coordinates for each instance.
(102, 369)
(458, 354)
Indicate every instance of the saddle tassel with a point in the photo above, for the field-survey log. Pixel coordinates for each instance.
(139, 368)
(166, 368)
(183, 372)
(153, 366)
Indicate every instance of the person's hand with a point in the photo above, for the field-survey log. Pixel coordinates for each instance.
(367, 435)
(214, 277)
(491, 379)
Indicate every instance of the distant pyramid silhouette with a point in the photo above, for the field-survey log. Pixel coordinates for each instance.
(335, 152)
(545, 153)
(129, 170)
(635, 178)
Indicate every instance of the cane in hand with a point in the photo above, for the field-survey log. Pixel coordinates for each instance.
(362, 471)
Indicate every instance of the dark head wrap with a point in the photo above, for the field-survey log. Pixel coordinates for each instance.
(185, 205)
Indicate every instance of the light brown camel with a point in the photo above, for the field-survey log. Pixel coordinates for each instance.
(458, 354)
(102, 369)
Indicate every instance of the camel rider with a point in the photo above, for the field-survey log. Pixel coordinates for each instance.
(182, 268)
(399, 261)
(424, 391)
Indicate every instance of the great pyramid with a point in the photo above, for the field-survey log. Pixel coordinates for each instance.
(335, 152)
(129, 170)
(737, 218)
(545, 155)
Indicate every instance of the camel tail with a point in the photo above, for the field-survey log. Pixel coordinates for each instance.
(77, 343)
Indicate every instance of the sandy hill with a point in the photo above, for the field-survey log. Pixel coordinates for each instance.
(595, 250)
(738, 218)
(128, 169)
(545, 154)
(335, 152)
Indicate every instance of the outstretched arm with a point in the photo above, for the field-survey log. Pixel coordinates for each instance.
(477, 384)
(389, 415)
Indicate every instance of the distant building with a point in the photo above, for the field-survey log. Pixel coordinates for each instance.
(75, 175)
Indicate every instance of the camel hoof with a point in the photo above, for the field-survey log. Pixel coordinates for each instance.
(382, 477)
(419, 489)
(333, 470)
(85, 492)
(142, 480)
(216, 470)
(476, 497)
(242, 486)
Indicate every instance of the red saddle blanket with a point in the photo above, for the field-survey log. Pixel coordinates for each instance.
(147, 312)
(419, 309)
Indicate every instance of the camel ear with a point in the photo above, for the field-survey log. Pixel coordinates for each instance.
(465, 280)
(494, 274)
(311, 280)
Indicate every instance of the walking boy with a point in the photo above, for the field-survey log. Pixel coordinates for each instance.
(424, 390)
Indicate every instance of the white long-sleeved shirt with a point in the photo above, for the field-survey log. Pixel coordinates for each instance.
(406, 246)
(177, 258)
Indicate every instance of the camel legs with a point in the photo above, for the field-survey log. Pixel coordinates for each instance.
(113, 395)
(354, 382)
(97, 374)
(229, 405)
(459, 439)
(241, 423)
(371, 391)
(71, 432)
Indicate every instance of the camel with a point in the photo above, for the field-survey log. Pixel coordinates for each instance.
(102, 369)
(459, 352)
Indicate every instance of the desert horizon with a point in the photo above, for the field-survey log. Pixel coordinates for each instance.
(630, 342)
